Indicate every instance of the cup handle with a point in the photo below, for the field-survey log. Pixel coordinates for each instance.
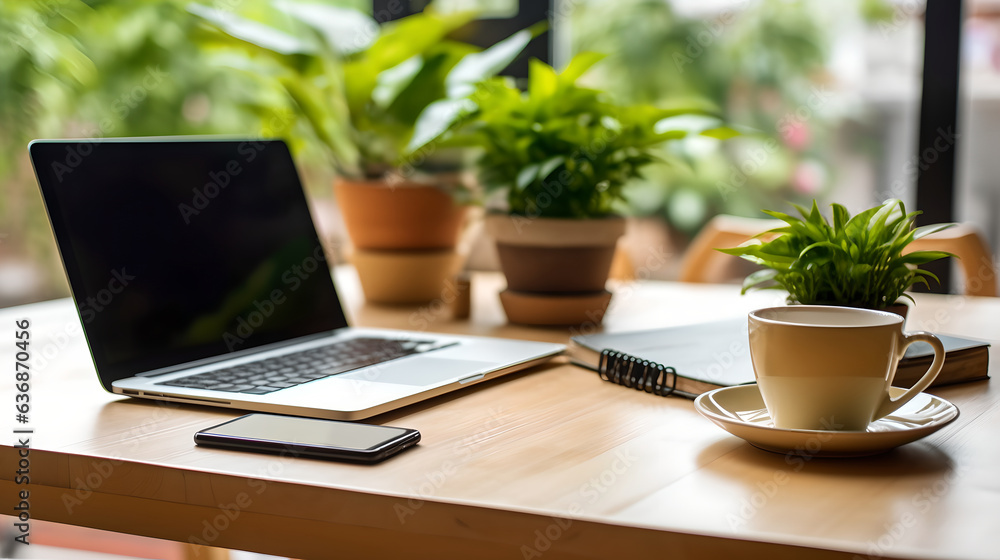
(890, 405)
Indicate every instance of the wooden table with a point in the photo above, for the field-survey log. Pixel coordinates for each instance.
(549, 463)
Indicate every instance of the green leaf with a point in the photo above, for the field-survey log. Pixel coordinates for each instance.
(579, 64)
(924, 231)
(840, 217)
(860, 271)
(477, 67)
(347, 31)
(436, 119)
(792, 220)
(720, 133)
(427, 86)
(527, 175)
(310, 101)
(856, 261)
(391, 82)
(550, 165)
(542, 80)
(252, 32)
(416, 34)
(755, 279)
(560, 127)
(922, 257)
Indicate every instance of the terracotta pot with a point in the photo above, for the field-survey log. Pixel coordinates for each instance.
(549, 255)
(406, 277)
(900, 309)
(556, 269)
(547, 310)
(403, 215)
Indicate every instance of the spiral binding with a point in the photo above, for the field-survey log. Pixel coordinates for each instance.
(636, 373)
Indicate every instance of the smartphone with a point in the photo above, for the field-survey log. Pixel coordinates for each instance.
(309, 437)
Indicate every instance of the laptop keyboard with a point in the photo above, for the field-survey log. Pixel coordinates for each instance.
(289, 370)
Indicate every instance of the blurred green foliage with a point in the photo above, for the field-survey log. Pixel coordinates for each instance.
(762, 62)
(108, 68)
(563, 150)
(364, 89)
(101, 68)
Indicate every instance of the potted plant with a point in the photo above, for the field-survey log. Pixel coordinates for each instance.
(854, 262)
(554, 162)
(362, 88)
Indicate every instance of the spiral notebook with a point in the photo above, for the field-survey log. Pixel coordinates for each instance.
(692, 359)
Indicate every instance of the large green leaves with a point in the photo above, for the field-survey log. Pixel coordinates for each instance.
(345, 30)
(372, 94)
(561, 149)
(253, 32)
(477, 67)
(856, 261)
(460, 84)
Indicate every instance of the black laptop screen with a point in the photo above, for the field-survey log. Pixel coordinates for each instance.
(178, 251)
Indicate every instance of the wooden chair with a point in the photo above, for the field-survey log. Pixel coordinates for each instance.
(974, 256)
(702, 263)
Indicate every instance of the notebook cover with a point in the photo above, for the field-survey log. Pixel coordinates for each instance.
(717, 354)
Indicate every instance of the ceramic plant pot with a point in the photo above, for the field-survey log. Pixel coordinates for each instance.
(556, 269)
(404, 235)
(401, 277)
(401, 215)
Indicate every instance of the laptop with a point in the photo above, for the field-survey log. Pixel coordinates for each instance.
(199, 278)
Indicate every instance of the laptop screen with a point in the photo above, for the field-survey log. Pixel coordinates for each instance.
(181, 250)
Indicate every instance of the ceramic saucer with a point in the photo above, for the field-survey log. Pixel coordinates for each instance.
(740, 411)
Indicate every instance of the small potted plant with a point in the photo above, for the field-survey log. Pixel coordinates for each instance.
(554, 162)
(362, 88)
(854, 262)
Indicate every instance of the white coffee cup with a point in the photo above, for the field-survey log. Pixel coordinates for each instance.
(830, 368)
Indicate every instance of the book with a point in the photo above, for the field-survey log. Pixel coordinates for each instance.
(965, 360)
(707, 356)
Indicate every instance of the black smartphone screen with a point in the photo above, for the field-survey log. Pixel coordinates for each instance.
(309, 437)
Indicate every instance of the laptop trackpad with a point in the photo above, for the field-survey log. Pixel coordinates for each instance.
(420, 371)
